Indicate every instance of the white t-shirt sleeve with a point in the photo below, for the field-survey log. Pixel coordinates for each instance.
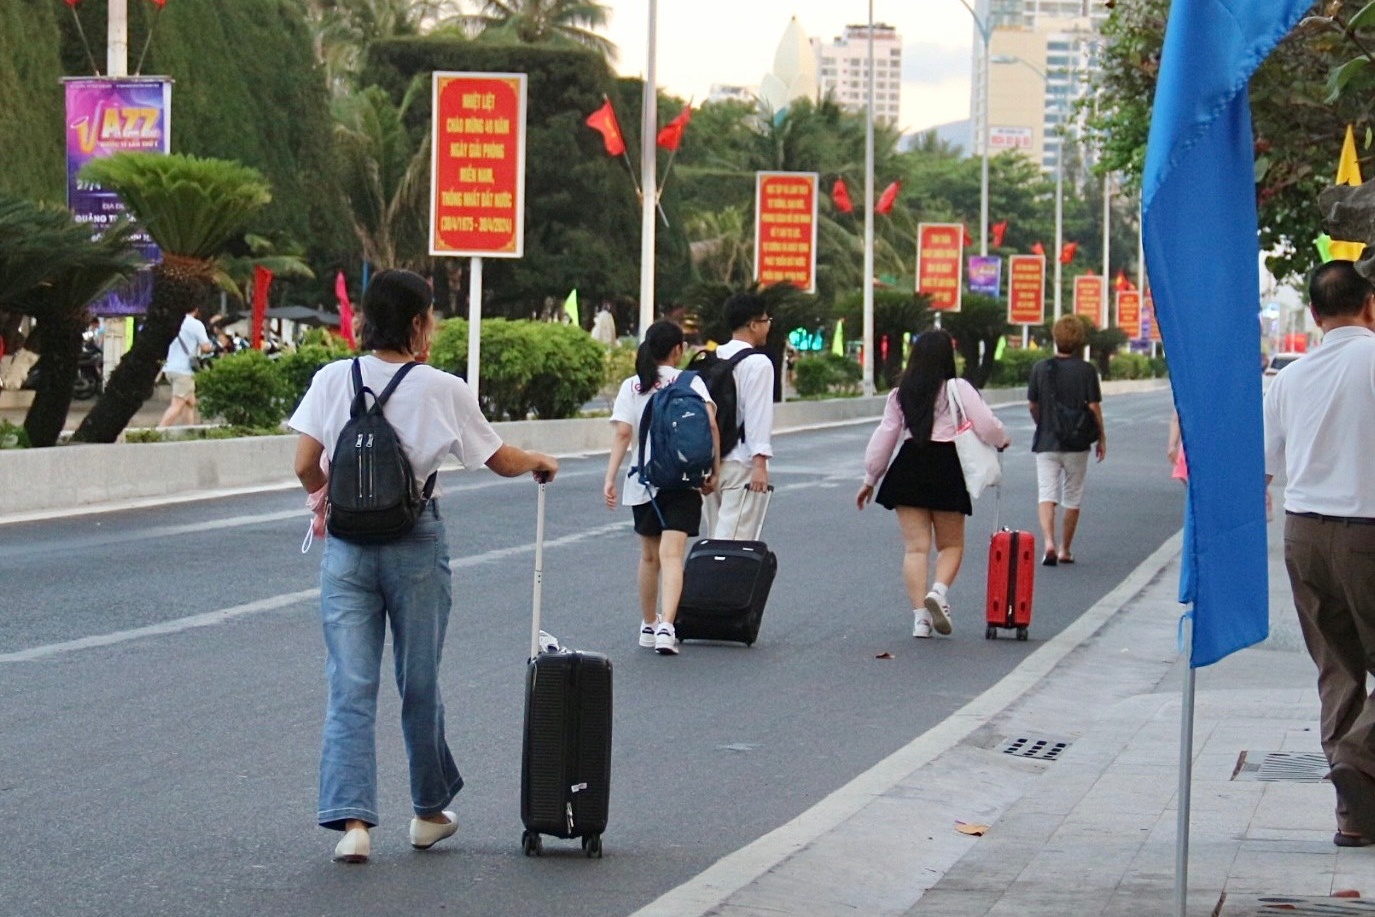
(623, 409)
(198, 328)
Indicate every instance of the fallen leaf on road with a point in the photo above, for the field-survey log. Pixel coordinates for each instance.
(1346, 893)
(884, 656)
(965, 827)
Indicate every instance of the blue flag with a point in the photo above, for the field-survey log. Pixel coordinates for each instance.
(1199, 222)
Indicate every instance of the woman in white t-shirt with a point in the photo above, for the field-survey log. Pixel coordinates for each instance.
(405, 582)
(665, 523)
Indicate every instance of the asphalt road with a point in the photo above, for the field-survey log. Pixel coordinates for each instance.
(161, 687)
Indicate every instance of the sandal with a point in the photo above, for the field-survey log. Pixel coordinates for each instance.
(1066, 558)
(1049, 560)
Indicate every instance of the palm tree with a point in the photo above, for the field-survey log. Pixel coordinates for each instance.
(191, 208)
(51, 269)
(386, 173)
(557, 22)
(341, 30)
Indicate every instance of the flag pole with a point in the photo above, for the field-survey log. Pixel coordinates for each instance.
(649, 196)
(1185, 791)
(474, 321)
(867, 363)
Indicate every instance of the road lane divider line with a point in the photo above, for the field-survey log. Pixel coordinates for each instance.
(710, 890)
(274, 603)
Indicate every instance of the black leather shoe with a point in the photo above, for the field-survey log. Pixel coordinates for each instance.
(1351, 840)
(1358, 792)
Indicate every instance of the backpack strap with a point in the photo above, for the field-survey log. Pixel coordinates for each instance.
(748, 352)
(359, 405)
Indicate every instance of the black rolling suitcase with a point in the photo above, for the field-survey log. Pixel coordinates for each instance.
(725, 588)
(566, 760)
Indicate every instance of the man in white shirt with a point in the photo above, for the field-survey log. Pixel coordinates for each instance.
(1320, 431)
(191, 338)
(736, 508)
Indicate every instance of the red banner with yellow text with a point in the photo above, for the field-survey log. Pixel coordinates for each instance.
(1089, 300)
(785, 228)
(477, 175)
(940, 264)
(1026, 289)
(1129, 313)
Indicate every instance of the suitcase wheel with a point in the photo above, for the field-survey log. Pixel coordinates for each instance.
(991, 633)
(592, 846)
(530, 844)
(1021, 633)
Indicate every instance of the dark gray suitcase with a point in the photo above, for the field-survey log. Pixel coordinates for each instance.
(725, 587)
(565, 775)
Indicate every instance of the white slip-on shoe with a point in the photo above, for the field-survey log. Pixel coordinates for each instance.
(921, 622)
(354, 847)
(940, 612)
(425, 834)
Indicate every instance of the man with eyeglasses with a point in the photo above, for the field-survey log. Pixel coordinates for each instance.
(731, 511)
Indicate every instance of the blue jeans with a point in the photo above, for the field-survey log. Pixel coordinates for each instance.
(362, 587)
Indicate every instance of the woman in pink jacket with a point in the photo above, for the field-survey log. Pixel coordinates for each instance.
(924, 483)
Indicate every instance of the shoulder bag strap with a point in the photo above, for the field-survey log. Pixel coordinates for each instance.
(956, 406)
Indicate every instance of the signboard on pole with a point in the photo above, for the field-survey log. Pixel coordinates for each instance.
(1129, 313)
(940, 259)
(477, 165)
(1026, 289)
(785, 228)
(1089, 300)
(986, 275)
(1148, 316)
(104, 117)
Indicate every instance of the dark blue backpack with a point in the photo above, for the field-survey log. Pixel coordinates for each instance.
(677, 427)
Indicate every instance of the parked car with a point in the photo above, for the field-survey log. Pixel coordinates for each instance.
(1278, 361)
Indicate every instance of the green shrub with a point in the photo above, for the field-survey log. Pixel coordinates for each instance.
(244, 388)
(825, 374)
(1159, 368)
(540, 368)
(620, 365)
(299, 366)
(1014, 368)
(13, 436)
(1129, 366)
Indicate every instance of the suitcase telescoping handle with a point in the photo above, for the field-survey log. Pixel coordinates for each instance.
(539, 571)
(754, 495)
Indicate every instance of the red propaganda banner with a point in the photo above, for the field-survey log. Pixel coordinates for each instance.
(785, 228)
(1026, 289)
(940, 264)
(477, 165)
(1129, 313)
(1088, 298)
(1148, 315)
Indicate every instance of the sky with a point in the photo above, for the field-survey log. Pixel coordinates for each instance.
(702, 42)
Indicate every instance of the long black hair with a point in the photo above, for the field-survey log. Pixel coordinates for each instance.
(659, 342)
(931, 363)
(390, 305)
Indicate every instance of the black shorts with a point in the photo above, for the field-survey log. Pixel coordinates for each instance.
(681, 509)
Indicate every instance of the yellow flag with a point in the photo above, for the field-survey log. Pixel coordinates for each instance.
(1348, 168)
(570, 307)
(838, 342)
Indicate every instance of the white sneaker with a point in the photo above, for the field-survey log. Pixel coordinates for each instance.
(647, 636)
(921, 622)
(666, 640)
(939, 610)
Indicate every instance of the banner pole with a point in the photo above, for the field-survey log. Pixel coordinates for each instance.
(1185, 791)
(474, 321)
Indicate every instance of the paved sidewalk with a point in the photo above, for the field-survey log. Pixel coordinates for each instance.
(1093, 830)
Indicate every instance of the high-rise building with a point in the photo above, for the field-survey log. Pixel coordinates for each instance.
(843, 69)
(1043, 54)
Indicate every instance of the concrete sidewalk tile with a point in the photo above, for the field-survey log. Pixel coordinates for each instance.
(1355, 868)
(946, 902)
(1289, 872)
(1298, 806)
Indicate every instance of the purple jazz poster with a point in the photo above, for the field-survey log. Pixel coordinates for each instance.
(107, 116)
(985, 274)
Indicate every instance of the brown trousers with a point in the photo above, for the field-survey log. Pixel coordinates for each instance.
(1332, 574)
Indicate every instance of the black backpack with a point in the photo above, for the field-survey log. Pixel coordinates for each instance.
(719, 375)
(1075, 427)
(372, 494)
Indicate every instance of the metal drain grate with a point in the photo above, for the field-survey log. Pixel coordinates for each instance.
(1043, 749)
(1276, 905)
(1285, 766)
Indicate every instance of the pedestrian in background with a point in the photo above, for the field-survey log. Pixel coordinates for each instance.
(924, 483)
(665, 523)
(404, 582)
(730, 509)
(1063, 389)
(1318, 432)
(183, 356)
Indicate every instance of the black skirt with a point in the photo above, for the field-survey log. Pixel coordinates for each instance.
(928, 478)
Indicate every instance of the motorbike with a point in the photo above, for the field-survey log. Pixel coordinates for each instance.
(90, 379)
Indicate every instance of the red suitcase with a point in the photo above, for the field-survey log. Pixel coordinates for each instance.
(1011, 582)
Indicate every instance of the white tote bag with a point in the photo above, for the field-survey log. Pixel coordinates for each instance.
(978, 459)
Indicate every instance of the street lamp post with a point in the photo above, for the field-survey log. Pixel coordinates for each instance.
(867, 357)
(985, 30)
(1060, 110)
